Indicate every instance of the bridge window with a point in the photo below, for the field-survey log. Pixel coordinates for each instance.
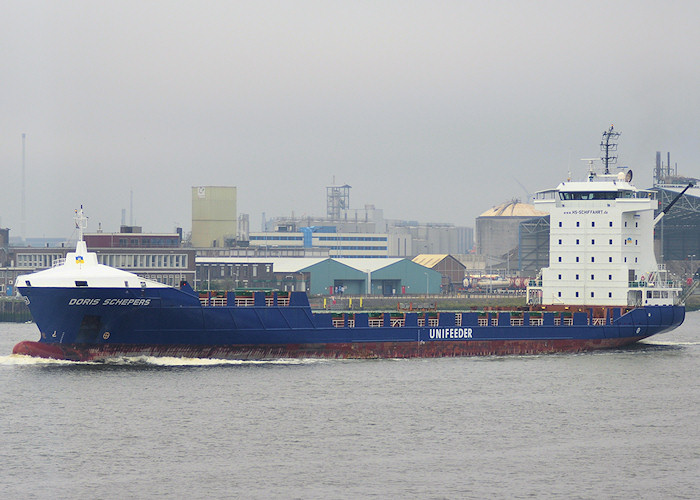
(595, 195)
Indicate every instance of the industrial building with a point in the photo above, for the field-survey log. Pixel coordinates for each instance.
(349, 276)
(214, 216)
(133, 237)
(451, 270)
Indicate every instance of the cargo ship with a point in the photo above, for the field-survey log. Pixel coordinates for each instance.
(603, 288)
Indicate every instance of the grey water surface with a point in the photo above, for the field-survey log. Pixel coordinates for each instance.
(611, 424)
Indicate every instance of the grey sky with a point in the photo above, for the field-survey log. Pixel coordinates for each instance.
(430, 110)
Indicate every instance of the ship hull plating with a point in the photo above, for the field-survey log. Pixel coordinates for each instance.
(93, 324)
(364, 350)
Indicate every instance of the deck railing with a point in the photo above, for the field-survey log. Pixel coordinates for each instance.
(431, 319)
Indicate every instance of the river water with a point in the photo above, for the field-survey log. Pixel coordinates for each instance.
(613, 424)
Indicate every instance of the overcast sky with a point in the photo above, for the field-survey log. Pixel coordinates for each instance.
(434, 111)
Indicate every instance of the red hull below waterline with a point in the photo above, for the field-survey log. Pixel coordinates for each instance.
(365, 350)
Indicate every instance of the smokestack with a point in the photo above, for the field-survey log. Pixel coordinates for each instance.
(657, 171)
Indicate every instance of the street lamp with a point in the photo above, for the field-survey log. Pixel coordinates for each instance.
(427, 284)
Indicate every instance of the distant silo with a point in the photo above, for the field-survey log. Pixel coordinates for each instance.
(214, 217)
(497, 228)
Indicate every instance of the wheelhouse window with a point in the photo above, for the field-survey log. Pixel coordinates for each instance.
(593, 195)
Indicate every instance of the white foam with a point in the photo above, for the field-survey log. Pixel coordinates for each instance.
(20, 359)
(662, 342)
(176, 361)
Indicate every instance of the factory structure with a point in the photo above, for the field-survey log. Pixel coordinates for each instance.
(678, 234)
(353, 251)
(343, 232)
(345, 251)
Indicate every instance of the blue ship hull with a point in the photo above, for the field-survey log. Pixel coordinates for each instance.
(97, 323)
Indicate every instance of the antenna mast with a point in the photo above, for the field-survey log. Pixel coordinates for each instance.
(609, 145)
(80, 222)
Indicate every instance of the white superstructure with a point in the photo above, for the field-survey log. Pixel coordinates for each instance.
(601, 246)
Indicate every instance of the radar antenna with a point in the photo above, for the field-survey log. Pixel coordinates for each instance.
(591, 167)
(607, 146)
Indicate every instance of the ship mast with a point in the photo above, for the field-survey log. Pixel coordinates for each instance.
(609, 145)
(80, 222)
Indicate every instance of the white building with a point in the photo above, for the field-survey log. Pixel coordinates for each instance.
(338, 244)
